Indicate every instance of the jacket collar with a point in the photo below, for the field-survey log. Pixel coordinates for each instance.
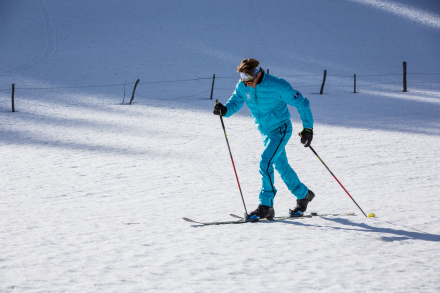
(263, 76)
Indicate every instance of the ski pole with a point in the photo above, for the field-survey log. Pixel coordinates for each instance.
(232, 159)
(336, 179)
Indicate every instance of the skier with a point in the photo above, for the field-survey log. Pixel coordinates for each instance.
(267, 97)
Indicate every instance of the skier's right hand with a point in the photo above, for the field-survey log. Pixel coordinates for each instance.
(306, 136)
(219, 109)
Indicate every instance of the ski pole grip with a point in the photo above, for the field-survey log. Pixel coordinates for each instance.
(216, 102)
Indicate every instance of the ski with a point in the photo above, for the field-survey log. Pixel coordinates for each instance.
(240, 220)
(302, 216)
(214, 223)
(277, 218)
(334, 215)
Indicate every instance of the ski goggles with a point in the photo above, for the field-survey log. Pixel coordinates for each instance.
(248, 79)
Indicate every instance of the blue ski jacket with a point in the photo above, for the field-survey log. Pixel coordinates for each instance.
(268, 103)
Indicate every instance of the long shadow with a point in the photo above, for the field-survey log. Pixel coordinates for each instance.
(361, 111)
(367, 111)
(399, 234)
(416, 111)
(395, 234)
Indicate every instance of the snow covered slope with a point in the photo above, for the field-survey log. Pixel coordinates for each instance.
(93, 192)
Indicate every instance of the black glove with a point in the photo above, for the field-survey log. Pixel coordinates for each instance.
(219, 109)
(306, 136)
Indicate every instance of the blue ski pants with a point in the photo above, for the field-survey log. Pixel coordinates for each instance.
(274, 155)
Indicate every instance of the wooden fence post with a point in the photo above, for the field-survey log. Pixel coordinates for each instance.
(355, 83)
(212, 89)
(132, 96)
(323, 82)
(404, 77)
(125, 81)
(13, 92)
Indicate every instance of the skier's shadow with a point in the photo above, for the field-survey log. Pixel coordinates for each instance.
(396, 234)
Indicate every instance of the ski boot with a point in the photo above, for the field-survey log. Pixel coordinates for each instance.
(262, 212)
(301, 205)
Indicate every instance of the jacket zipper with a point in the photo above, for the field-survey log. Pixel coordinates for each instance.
(258, 107)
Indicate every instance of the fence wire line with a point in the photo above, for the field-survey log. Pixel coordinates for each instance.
(69, 87)
(174, 98)
(425, 73)
(182, 80)
(225, 77)
(361, 85)
(301, 75)
(232, 89)
(357, 75)
(424, 81)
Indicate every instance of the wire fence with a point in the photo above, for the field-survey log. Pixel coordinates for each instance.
(148, 91)
(235, 78)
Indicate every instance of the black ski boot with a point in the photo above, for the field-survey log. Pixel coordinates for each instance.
(301, 205)
(262, 212)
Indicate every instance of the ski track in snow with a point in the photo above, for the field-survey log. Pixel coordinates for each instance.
(406, 11)
(50, 42)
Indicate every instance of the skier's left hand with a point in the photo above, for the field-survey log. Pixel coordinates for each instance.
(306, 136)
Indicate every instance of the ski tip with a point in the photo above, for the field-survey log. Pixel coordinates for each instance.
(235, 216)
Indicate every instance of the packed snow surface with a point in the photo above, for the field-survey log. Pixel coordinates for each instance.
(93, 190)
